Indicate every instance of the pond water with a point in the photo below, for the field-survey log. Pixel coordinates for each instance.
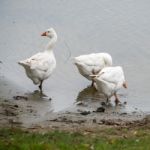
(121, 28)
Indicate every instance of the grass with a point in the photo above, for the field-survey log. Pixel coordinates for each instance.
(107, 139)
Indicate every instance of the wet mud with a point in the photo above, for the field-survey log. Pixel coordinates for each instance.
(21, 112)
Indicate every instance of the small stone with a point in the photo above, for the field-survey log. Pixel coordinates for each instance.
(124, 113)
(103, 103)
(100, 109)
(50, 99)
(20, 97)
(16, 106)
(85, 112)
(125, 103)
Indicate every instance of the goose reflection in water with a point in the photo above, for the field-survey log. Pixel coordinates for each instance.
(90, 94)
(41, 104)
(90, 99)
(38, 96)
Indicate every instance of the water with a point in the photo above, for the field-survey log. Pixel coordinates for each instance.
(121, 28)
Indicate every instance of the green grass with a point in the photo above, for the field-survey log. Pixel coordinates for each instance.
(106, 139)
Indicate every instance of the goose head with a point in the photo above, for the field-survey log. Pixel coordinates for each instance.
(51, 33)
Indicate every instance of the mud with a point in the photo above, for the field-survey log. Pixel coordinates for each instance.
(88, 116)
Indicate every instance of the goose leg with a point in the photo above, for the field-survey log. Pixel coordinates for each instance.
(107, 101)
(93, 72)
(92, 85)
(40, 86)
(116, 98)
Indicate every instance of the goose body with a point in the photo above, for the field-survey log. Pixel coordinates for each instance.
(110, 80)
(41, 65)
(92, 63)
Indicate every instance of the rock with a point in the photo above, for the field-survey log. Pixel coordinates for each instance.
(16, 106)
(20, 97)
(125, 103)
(100, 109)
(85, 112)
(103, 103)
(124, 113)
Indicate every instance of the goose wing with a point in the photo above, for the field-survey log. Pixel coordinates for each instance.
(112, 74)
(40, 61)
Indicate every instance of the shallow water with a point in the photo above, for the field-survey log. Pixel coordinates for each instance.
(120, 28)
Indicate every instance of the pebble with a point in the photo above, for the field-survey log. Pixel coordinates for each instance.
(20, 97)
(103, 103)
(124, 113)
(85, 112)
(16, 106)
(50, 99)
(125, 103)
(100, 109)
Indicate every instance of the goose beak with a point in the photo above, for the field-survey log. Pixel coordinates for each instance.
(44, 34)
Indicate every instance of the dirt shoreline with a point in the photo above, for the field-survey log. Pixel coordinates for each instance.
(17, 113)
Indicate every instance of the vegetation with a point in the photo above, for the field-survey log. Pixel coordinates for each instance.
(106, 139)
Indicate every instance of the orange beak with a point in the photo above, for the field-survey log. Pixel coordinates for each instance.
(125, 85)
(44, 34)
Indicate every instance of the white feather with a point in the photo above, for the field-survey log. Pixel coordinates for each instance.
(110, 80)
(92, 63)
(41, 65)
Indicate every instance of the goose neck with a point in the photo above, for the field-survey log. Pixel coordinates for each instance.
(52, 42)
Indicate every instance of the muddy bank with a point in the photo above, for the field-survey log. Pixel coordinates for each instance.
(19, 112)
(78, 123)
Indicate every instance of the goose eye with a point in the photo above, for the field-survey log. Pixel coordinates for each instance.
(48, 31)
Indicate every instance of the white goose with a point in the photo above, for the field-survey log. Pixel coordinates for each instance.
(92, 64)
(41, 65)
(109, 81)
